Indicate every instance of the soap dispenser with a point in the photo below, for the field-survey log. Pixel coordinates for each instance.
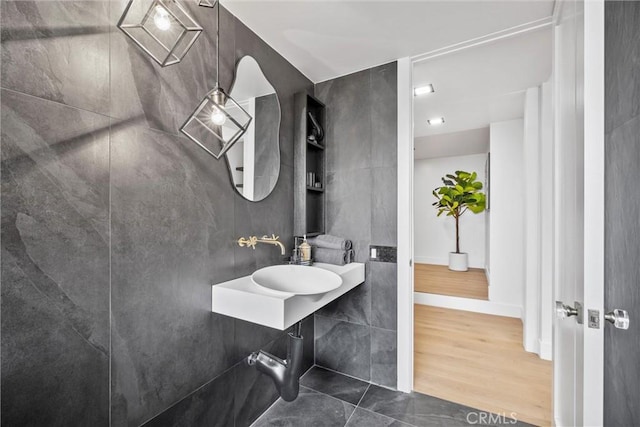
(305, 250)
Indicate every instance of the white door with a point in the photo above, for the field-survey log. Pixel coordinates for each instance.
(579, 210)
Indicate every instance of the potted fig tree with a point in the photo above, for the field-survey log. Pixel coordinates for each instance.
(459, 194)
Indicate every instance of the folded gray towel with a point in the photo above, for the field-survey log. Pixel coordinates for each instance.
(332, 256)
(330, 242)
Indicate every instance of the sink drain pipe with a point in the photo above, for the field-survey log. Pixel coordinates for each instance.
(284, 373)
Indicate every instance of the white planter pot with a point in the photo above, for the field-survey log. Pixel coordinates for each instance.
(458, 262)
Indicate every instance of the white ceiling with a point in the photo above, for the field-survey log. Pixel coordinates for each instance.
(473, 141)
(330, 38)
(481, 84)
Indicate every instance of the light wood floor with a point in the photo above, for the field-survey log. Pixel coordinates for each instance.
(478, 360)
(438, 279)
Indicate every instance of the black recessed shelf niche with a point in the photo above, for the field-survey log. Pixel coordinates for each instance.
(309, 158)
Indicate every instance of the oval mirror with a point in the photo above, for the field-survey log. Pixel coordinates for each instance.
(254, 161)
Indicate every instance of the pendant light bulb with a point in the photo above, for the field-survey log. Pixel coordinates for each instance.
(162, 19)
(218, 117)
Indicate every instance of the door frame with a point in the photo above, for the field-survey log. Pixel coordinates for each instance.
(594, 153)
(405, 248)
(593, 218)
(405, 225)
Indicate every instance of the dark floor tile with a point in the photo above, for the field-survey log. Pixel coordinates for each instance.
(422, 410)
(334, 384)
(309, 409)
(364, 418)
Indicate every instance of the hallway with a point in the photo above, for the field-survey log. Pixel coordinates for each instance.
(478, 360)
(438, 279)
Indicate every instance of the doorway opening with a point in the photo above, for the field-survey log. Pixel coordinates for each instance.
(479, 136)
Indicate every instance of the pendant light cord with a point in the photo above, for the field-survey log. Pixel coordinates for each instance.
(218, 45)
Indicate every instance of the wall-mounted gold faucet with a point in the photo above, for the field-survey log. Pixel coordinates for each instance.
(252, 241)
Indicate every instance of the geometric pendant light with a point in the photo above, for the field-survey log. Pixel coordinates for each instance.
(161, 28)
(207, 3)
(218, 122)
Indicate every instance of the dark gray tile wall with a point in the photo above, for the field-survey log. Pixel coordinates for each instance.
(622, 207)
(114, 226)
(356, 334)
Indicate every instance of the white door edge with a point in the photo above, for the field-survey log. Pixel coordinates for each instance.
(594, 33)
(405, 225)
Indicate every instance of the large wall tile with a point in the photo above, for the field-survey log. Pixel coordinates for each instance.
(171, 210)
(348, 207)
(384, 206)
(348, 128)
(622, 53)
(384, 294)
(343, 346)
(55, 264)
(383, 357)
(384, 115)
(211, 406)
(83, 191)
(308, 348)
(361, 197)
(57, 50)
(273, 215)
(621, 271)
(354, 306)
(286, 84)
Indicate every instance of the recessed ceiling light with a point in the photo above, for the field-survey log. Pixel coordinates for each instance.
(434, 122)
(423, 90)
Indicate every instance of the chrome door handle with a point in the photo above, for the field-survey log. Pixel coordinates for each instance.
(619, 318)
(563, 311)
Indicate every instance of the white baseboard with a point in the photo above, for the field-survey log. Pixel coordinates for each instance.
(546, 350)
(531, 344)
(467, 304)
(438, 261)
(431, 260)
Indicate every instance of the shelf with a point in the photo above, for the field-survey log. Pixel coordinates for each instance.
(309, 156)
(316, 145)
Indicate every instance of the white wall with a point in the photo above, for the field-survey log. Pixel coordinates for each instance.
(435, 237)
(538, 217)
(507, 219)
(532, 232)
(546, 222)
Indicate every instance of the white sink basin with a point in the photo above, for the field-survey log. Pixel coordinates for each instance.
(297, 279)
(243, 299)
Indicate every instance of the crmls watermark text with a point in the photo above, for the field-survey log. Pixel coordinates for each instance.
(486, 418)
